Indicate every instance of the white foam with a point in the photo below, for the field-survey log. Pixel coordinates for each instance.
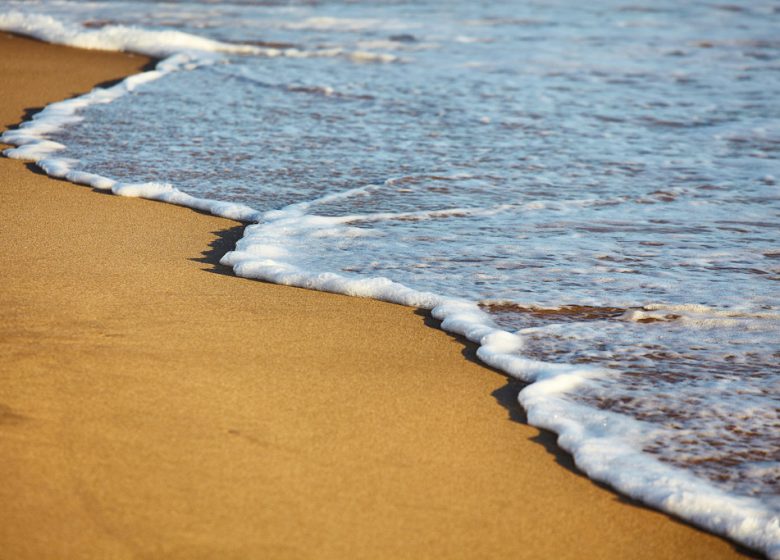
(703, 317)
(336, 24)
(334, 52)
(114, 37)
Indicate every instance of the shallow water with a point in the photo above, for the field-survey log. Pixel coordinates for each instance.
(601, 179)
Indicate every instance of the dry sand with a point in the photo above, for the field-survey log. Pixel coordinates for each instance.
(152, 405)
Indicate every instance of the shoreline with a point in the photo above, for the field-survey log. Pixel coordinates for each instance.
(152, 427)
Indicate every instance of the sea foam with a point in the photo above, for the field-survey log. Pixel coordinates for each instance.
(114, 37)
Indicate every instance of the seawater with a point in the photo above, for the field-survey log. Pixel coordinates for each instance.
(589, 191)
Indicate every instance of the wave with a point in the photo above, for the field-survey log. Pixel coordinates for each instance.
(160, 43)
(604, 444)
(115, 37)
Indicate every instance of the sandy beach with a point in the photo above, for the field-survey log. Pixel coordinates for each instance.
(153, 405)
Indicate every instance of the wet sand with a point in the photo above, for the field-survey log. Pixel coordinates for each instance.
(152, 405)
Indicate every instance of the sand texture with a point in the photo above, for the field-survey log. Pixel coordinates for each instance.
(152, 405)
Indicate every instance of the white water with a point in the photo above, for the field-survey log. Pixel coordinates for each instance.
(499, 203)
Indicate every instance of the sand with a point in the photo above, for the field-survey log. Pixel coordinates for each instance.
(152, 405)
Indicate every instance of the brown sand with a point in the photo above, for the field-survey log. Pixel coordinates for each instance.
(154, 406)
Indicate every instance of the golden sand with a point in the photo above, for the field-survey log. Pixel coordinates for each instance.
(152, 405)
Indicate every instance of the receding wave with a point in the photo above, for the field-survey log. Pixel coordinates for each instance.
(539, 211)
